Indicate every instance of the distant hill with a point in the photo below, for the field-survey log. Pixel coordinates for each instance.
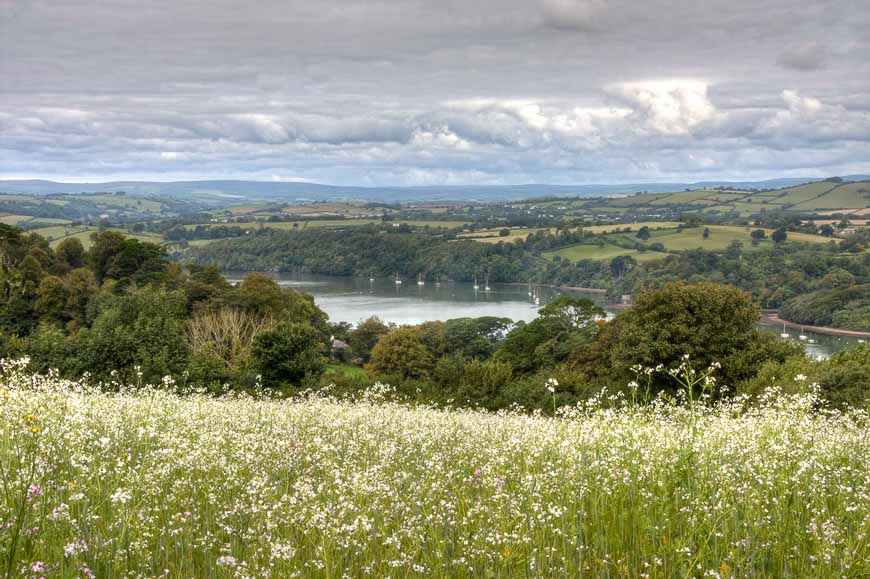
(226, 191)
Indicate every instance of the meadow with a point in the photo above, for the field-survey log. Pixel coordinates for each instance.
(57, 233)
(142, 482)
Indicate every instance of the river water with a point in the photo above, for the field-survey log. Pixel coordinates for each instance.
(352, 299)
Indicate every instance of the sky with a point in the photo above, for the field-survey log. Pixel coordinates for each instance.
(433, 92)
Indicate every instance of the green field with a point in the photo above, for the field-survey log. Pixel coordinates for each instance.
(127, 202)
(846, 196)
(492, 235)
(517, 233)
(302, 224)
(793, 195)
(144, 483)
(673, 239)
(584, 251)
(58, 233)
(809, 197)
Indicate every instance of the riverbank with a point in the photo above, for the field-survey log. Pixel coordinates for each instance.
(771, 317)
(592, 290)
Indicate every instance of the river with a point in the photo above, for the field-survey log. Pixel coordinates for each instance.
(352, 299)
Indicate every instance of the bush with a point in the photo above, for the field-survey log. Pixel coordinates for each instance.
(288, 352)
(402, 353)
(708, 322)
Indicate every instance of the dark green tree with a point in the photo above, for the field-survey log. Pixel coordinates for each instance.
(288, 353)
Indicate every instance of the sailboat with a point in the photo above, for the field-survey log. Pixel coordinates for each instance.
(486, 287)
(420, 279)
(398, 281)
(372, 277)
(537, 297)
(530, 289)
(784, 334)
(802, 337)
(476, 287)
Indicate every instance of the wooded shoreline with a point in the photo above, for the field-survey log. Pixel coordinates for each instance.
(772, 318)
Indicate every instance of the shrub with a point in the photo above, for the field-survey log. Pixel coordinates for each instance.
(288, 352)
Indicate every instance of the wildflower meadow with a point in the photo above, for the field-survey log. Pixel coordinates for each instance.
(144, 482)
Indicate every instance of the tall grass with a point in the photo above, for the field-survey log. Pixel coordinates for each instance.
(147, 483)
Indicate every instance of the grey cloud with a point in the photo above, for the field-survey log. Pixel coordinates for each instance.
(804, 58)
(582, 15)
(413, 91)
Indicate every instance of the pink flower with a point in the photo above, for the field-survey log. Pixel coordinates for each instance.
(37, 567)
(34, 491)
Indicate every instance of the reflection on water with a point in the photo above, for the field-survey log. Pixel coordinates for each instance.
(352, 299)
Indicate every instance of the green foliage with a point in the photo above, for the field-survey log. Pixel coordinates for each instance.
(779, 235)
(364, 337)
(843, 379)
(142, 329)
(563, 327)
(288, 352)
(401, 353)
(708, 322)
(847, 307)
(476, 337)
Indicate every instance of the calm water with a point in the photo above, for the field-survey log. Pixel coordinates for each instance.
(351, 300)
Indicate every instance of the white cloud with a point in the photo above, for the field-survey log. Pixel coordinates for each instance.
(671, 107)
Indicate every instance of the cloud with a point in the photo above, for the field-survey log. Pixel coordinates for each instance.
(670, 107)
(389, 91)
(803, 58)
(581, 15)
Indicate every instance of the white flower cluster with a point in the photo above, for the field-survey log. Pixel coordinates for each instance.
(146, 483)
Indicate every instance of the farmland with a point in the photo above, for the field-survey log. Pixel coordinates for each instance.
(615, 242)
(56, 234)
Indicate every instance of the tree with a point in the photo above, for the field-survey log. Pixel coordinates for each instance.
(401, 353)
(504, 232)
(708, 322)
(779, 235)
(758, 234)
(621, 265)
(143, 328)
(562, 327)
(826, 230)
(259, 294)
(51, 299)
(288, 353)
(105, 245)
(706, 234)
(364, 337)
(71, 253)
(644, 233)
(475, 337)
(81, 285)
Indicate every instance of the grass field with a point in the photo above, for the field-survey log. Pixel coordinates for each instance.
(578, 252)
(720, 237)
(693, 238)
(672, 239)
(58, 233)
(328, 223)
(146, 484)
(492, 236)
(127, 202)
(846, 196)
